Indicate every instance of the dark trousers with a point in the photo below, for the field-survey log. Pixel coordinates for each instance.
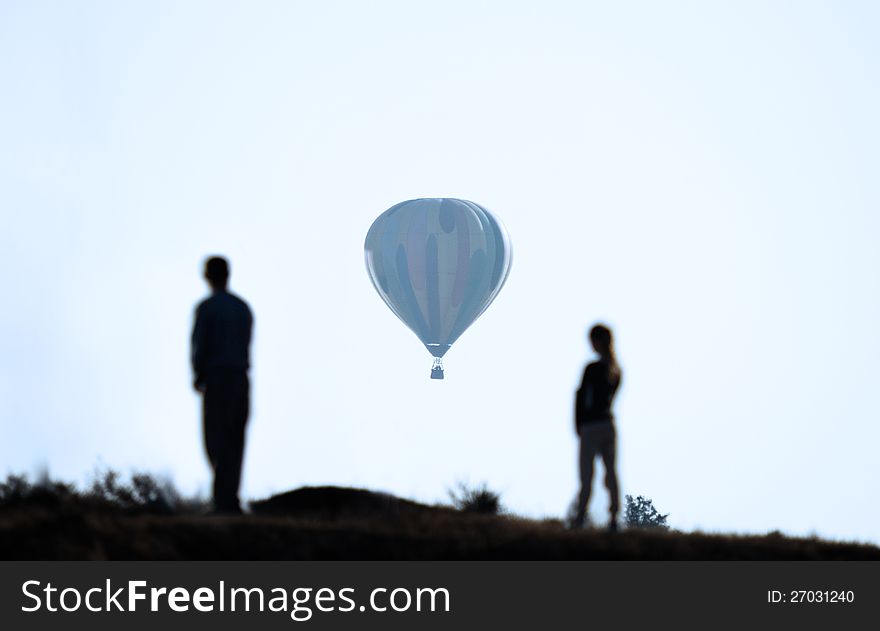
(226, 403)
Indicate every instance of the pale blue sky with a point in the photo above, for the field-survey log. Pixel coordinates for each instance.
(700, 175)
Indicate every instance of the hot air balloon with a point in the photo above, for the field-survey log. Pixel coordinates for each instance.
(437, 263)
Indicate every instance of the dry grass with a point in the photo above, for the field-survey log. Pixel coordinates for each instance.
(343, 524)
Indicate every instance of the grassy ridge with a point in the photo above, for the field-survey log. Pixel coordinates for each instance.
(342, 524)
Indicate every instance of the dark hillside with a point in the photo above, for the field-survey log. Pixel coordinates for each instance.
(330, 523)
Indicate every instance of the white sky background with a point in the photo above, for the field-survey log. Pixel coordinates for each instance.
(700, 175)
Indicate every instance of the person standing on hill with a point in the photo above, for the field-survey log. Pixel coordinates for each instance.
(221, 340)
(594, 424)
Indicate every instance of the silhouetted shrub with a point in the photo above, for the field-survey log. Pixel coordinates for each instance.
(18, 490)
(142, 494)
(478, 499)
(14, 489)
(640, 513)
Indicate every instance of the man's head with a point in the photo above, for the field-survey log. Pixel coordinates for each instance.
(217, 272)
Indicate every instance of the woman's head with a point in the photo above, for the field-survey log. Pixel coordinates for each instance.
(602, 341)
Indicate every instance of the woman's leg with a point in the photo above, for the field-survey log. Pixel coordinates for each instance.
(587, 455)
(609, 457)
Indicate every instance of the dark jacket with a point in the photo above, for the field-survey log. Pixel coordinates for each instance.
(596, 394)
(221, 335)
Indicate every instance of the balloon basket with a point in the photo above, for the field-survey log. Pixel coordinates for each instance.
(437, 369)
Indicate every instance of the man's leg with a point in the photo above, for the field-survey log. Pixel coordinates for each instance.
(212, 419)
(225, 415)
(238, 422)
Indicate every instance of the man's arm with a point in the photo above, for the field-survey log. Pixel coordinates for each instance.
(199, 348)
(250, 330)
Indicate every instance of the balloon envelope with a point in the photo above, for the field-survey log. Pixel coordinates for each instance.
(437, 264)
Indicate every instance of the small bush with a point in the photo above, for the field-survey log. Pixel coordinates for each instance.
(478, 499)
(45, 492)
(640, 513)
(142, 494)
(14, 489)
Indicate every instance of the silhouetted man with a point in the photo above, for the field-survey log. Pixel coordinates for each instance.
(220, 358)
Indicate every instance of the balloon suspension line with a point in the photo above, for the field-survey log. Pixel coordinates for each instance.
(437, 369)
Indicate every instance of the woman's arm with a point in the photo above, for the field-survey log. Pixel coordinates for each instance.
(583, 400)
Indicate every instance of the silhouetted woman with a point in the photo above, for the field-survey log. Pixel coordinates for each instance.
(594, 423)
